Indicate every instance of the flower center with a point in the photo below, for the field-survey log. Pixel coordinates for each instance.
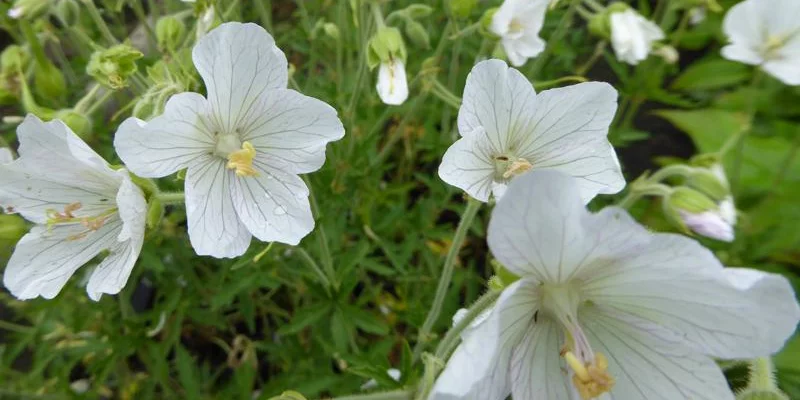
(91, 223)
(773, 45)
(507, 167)
(590, 370)
(515, 29)
(242, 160)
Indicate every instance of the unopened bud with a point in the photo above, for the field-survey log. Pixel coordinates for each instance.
(206, 21)
(48, 82)
(331, 30)
(462, 8)
(709, 183)
(418, 35)
(289, 395)
(416, 11)
(67, 11)
(668, 53)
(169, 32)
(155, 212)
(79, 123)
(13, 59)
(385, 46)
(113, 66)
(486, 23)
(691, 210)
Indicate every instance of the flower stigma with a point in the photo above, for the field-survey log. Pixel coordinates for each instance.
(509, 167)
(242, 160)
(91, 223)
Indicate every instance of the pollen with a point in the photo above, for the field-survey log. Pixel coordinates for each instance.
(242, 160)
(591, 379)
(517, 167)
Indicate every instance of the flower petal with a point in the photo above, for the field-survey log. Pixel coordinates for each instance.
(570, 135)
(274, 205)
(392, 85)
(675, 282)
(649, 362)
(170, 142)
(112, 274)
(466, 165)
(479, 367)
(292, 128)
(498, 102)
(786, 70)
(45, 258)
(6, 156)
(238, 63)
(537, 225)
(214, 226)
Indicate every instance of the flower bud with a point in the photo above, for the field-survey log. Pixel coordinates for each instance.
(12, 227)
(416, 11)
(709, 182)
(668, 53)
(385, 46)
(67, 11)
(486, 23)
(151, 103)
(600, 23)
(462, 8)
(288, 395)
(28, 8)
(48, 82)
(169, 32)
(416, 32)
(691, 210)
(113, 66)
(155, 212)
(331, 30)
(79, 123)
(13, 59)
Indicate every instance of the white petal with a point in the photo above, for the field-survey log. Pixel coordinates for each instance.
(786, 70)
(709, 224)
(744, 28)
(570, 136)
(479, 367)
(673, 281)
(6, 156)
(735, 52)
(238, 63)
(44, 259)
(112, 274)
(521, 49)
(467, 165)
(649, 362)
(498, 101)
(214, 226)
(392, 83)
(273, 205)
(170, 142)
(537, 226)
(291, 128)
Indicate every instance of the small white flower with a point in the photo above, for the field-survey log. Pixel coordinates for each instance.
(392, 84)
(603, 306)
(632, 36)
(710, 224)
(697, 15)
(81, 207)
(508, 129)
(766, 33)
(15, 12)
(6, 156)
(517, 23)
(243, 146)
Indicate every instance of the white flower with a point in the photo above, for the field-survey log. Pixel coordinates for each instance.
(392, 84)
(244, 145)
(81, 207)
(710, 224)
(518, 23)
(6, 156)
(632, 36)
(697, 15)
(508, 129)
(604, 305)
(766, 33)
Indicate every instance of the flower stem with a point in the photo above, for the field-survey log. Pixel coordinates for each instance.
(171, 197)
(83, 104)
(445, 94)
(594, 5)
(393, 395)
(558, 36)
(447, 273)
(555, 82)
(762, 374)
(100, 22)
(323, 279)
(376, 13)
(322, 241)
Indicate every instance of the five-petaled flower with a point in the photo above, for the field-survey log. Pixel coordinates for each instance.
(632, 36)
(243, 146)
(81, 207)
(508, 129)
(605, 306)
(517, 23)
(766, 33)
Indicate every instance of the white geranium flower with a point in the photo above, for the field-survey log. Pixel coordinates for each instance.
(766, 33)
(517, 23)
(244, 145)
(605, 306)
(508, 129)
(632, 36)
(81, 207)
(392, 84)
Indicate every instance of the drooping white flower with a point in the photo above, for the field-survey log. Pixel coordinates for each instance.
(605, 306)
(766, 33)
(632, 36)
(517, 23)
(507, 128)
(81, 207)
(710, 224)
(243, 146)
(392, 84)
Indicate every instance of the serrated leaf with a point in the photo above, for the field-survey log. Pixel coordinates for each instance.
(712, 74)
(304, 317)
(186, 373)
(366, 321)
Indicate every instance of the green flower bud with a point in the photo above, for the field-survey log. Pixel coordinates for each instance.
(155, 212)
(418, 35)
(462, 8)
(386, 45)
(707, 182)
(169, 32)
(68, 12)
(486, 23)
(496, 284)
(48, 82)
(690, 200)
(331, 30)
(289, 395)
(416, 11)
(113, 66)
(761, 394)
(600, 23)
(12, 227)
(13, 59)
(79, 123)
(151, 103)
(28, 9)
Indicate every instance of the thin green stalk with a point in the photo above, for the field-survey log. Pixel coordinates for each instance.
(394, 395)
(635, 193)
(322, 240)
(453, 336)
(594, 5)
(168, 198)
(377, 14)
(447, 273)
(557, 36)
(445, 95)
(264, 8)
(139, 11)
(326, 283)
(556, 82)
(599, 49)
(83, 103)
(12, 327)
(94, 13)
(99, 102)
(762, 374)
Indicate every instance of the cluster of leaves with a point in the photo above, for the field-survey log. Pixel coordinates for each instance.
(191, 327)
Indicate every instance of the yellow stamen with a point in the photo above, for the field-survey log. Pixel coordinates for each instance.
(242, 160)
(591, 379)
(517, 167)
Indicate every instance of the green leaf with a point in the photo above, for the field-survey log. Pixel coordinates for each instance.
(304, 317)
(366, 321)
(186, 373)
(712, 74)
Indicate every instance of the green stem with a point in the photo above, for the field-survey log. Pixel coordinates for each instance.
(33, 42)
(377, 14)
(555, 82)
(83, 104)
(12, 327)
(557, 37)
(264, 8)
(447, 273)
(599, 49)
(762, 374)
(326, 283)
(594, 5)
(100, 22)
(171, 198)
(644, 189)
(139, 11)
(322, 240)
(394, 395)
(445, 94)
(669, 171)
